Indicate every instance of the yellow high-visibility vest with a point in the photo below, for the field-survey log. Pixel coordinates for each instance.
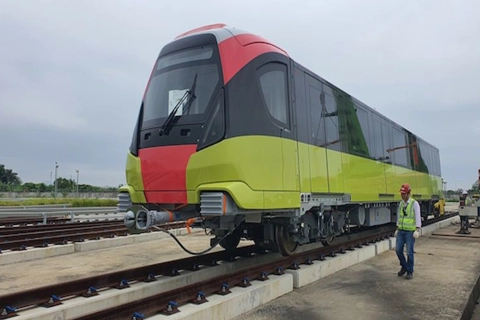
(406, 218)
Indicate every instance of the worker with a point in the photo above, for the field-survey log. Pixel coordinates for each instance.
(465, 201)
(439, 207)
(468, 200)
(409, 223)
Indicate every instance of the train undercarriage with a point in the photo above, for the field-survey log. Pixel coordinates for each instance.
(321, 218)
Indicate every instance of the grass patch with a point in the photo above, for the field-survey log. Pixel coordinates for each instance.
(73, 202)
(94, 202)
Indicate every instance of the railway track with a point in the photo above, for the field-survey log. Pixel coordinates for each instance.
(197, 290)
(23, 237)
(169, 302)
(56, 294)
(13, 221)
(447, 215)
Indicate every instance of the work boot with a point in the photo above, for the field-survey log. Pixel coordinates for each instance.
(402, 272)
(409, 276)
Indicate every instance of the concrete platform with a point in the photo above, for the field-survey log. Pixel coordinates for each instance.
(447, 271)
(9, 257)
(239, 301)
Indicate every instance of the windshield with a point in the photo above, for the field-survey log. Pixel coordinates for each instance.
(172, 79)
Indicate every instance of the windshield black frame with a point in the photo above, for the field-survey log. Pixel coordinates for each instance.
(201, 67)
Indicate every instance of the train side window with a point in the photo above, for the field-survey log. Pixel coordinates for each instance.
(400, 146)
(316, 121)
(387, 141)
(355, 127)
(273, 84)
(423, 151)
(437, 161)
(330, 113)
(301, 105)
(378, 142)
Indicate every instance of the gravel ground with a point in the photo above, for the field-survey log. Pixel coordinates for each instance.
(36, 273)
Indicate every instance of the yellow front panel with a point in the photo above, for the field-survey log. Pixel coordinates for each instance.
(134, 179)
(135, 196)
(261, 163)
(134, 172)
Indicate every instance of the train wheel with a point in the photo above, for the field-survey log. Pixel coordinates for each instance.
(328, 241)
(231, 242)
(285, 242)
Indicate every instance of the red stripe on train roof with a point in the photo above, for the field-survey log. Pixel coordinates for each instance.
(237, 51)
(196, 30)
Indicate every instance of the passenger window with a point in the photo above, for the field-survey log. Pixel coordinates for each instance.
(378, 150)
(400, 145)
(365, 129)
(273, 83)
(330, 113)
(317, 122)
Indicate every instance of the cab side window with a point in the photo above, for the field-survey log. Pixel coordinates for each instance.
(273, 83)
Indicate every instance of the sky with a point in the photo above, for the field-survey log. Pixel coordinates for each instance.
(73, 73)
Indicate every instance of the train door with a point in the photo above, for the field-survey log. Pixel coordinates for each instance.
(380, 155)
(413, 153)
(391, 172)
(301, 125)
(400, 149)
(316, 136)
(275, 89)
(289, 142)
(333, 143)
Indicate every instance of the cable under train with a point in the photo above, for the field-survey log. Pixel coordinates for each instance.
(237, 136)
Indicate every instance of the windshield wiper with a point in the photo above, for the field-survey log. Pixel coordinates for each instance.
(192, 96)
(188, 94)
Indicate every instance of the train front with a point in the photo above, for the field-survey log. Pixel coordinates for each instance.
(182, 112)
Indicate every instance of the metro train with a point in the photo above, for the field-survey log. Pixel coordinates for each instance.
(238, 137)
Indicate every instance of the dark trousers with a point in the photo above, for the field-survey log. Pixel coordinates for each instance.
(405, 238)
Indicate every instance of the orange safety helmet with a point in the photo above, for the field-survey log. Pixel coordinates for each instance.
(405, 188)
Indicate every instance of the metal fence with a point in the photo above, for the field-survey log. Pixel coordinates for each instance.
(62, 210)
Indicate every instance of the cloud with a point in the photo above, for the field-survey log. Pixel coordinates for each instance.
(72, 74)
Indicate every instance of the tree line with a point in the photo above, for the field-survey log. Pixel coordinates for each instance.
(11, 182)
